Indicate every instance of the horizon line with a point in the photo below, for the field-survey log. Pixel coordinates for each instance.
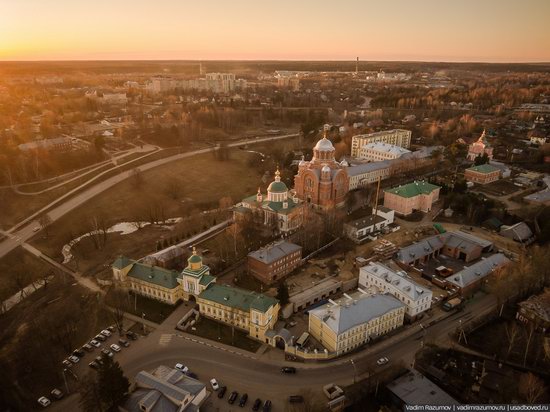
(270, 60)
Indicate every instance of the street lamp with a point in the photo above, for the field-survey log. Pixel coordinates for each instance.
(354, 370)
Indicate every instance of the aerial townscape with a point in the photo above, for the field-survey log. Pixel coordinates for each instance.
(214, 224)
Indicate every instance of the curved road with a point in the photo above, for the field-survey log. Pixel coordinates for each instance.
(260, 376)
(24, 230)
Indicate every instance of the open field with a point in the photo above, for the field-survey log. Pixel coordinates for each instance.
(177, 189)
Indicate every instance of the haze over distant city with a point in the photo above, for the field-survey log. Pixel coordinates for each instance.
(427, 30)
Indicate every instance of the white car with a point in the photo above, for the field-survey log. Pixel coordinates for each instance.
(115, 347)
(74, 359)
(181, 367)
(45, 402)
(95, 343)
(105, 332)
(382, 361)
(214, 384)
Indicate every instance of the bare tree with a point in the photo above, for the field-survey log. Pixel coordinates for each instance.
(45, 221)
(531, 387)
(530, 330)
(512, 332)
(174, 188)
(136, 178)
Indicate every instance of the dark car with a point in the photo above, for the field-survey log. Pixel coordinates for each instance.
(192, 375)
(295, 398)
(78, 352)
(288, 369)
(221, 392)
(267, 406)
(57, 393)
(93, 364)
(123, 342)
(233, 397)
(111, 328)
(131, 335)
(257, 404)
(243, 400)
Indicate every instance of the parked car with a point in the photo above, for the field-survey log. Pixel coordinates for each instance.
(257, 404)
(382, 361)
(192, 375)
(111, 329)
(181, 367)
(233, 397)
(243, 400)
(131, 335)
(267, 406)
(93, 364)
(87, 347)
(57, 393)
(66, 363)
(95, 343)
(105, 332)
(78, 352)
(99, 360)
(74, 359)
(107, 352)
(123, 342)
(288, 369)
(222, 391)
(295, 398)
(115, 347)
(214, 383)
(100, 337)
(43, 401)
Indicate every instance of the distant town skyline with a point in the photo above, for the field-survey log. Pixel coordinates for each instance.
(400, 30)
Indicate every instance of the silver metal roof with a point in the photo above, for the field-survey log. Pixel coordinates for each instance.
(478, 270)
(360, 309)
(274, 252)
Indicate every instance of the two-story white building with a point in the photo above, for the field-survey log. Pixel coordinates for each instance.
(417, 298)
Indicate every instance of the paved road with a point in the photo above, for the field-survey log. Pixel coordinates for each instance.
(260, 376)
(24, 230)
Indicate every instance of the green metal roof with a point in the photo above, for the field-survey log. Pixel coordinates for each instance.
(121, 262)
(485, 169)
(206, 280)
(413, 189)
(154, 274)
(194, 259)
(195, 273)
(277, 187)
(238, 298)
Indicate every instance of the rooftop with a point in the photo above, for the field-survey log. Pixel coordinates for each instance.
(413, 189)
(360, 309)
(381, 133)
(386, 148)
(485, 169)
(148, 273)
(238, 298)
(274, 251)
(415, 389)
(398, 280)
(478, 270)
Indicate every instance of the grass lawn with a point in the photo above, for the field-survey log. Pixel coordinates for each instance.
(219, 332)
(154, 310)
(202, 181)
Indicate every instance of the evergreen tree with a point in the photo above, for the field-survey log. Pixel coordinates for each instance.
(112, 384)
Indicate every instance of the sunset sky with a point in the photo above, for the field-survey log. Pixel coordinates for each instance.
(430, 30)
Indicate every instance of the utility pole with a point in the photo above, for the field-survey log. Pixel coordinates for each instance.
(354, 371)
(65, 380)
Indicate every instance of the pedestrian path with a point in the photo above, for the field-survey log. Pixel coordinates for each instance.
(165, 339)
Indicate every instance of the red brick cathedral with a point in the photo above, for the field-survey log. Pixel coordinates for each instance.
(322, 182)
